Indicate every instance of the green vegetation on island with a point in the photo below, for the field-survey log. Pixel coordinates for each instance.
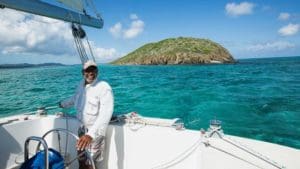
(178, 51)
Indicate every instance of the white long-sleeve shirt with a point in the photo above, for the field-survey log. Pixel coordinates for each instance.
(94, 104)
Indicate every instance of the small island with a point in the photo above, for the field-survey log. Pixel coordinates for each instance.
(27, 65)
(175, 51)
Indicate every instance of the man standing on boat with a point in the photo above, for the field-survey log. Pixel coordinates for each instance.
(94, 103)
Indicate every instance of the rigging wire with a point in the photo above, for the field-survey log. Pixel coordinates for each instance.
(79, 34)
(91, 51)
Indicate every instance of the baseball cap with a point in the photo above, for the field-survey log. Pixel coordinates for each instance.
(88, 64)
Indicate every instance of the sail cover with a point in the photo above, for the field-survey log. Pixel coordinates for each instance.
(73, 4)
(39, 7)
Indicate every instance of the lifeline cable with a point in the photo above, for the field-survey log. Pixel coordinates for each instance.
(254, 153)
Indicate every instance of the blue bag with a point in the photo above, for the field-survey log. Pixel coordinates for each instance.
(38, 160)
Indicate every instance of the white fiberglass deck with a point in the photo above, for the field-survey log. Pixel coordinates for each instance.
(148, 147)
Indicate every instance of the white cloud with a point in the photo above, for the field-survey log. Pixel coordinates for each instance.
(105, 54)
(136, 28)
(116, 30)
(35, 35)
(133, 16)
(288, 30)
(284, 16)
(271, 46)
(25, 33)
(12, 49)
(244, 8)
(102, 54)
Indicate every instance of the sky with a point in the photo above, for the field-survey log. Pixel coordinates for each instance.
(248, 29)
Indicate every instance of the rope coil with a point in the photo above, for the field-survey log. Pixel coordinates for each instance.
(136, 122)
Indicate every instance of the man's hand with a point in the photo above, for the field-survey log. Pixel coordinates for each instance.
(83, 142)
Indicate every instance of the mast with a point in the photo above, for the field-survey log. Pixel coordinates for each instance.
(41, 8)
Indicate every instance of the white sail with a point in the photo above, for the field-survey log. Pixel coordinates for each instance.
(73, 4)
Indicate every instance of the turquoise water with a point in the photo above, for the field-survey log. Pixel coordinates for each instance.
(256, 98)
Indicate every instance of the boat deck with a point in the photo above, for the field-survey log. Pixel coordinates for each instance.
(135, 146)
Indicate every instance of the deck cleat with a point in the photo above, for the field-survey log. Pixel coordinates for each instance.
(215, 129)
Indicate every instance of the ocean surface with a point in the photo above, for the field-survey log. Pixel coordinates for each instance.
(255, 98)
